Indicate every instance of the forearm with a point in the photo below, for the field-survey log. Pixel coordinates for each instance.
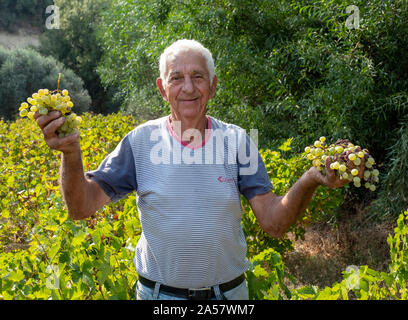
(277, 214)
(296, 200)
(73, 185)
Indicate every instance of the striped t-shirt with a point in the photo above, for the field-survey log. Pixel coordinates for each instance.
(188, 199)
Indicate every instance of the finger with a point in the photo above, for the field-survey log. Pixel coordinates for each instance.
(72, 138)
(361, 168)
(59, 143)
(50, 129)
(350, 164)
(44, 120)
(329, 172)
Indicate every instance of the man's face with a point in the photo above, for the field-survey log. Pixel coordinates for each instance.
(188, 86)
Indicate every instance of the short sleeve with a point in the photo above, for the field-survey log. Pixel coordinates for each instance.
(252, 175)
(116, 175)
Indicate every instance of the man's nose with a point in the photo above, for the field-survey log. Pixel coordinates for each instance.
(188, 85)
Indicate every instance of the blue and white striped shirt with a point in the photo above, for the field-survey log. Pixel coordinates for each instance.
(188, 200)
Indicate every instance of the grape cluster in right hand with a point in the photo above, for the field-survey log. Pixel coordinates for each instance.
(345, 160)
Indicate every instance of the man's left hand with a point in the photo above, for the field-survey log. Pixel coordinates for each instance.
(330, 179)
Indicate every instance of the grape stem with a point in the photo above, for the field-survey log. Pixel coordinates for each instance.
(59, 79)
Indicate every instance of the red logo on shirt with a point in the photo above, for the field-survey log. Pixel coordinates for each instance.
(224, 179)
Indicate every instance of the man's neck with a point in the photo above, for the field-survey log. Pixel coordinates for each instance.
(188, 129)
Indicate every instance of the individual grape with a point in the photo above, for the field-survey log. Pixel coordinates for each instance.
(339, 149)
(352, 156)
(334, 165)
(43, 111)
(367, 174)
(354, 172)
(342, 167)
(357, 161)
(24, 105)
(23, 112)
(316, 163)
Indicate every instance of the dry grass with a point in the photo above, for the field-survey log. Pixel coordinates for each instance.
(24, 37)
(327, 250)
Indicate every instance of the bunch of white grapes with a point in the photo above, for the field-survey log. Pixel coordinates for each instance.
(45, 101)
(345, 161)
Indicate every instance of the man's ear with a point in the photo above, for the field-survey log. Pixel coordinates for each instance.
(159, 83)
(213, 86)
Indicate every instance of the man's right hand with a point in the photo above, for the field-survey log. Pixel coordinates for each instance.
(49, 125)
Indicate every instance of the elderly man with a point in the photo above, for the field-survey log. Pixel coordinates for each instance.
(192, 245)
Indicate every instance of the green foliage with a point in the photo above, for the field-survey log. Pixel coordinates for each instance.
(43, 253)
(266, 275)
(393, 196)
(75, 44)
(22, 12)
(24, 71)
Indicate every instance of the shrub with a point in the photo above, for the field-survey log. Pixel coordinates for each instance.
(393, 197)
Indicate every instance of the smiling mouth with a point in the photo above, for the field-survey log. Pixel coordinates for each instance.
(189, 100)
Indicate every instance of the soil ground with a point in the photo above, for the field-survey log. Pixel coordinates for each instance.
(329, 249)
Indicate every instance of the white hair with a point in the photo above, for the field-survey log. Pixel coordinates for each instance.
(185, 45)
